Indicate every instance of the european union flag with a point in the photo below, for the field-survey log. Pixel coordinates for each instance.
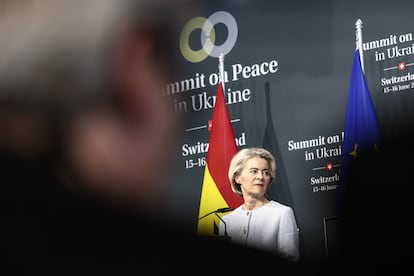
(362, 131)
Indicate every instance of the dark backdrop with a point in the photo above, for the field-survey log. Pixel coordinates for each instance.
(303, 102)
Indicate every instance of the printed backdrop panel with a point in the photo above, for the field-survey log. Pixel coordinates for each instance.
(287, 71)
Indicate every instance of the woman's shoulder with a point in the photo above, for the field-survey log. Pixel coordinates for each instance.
(235, 211)
(277, 205)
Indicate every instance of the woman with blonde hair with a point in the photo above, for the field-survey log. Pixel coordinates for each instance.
(259, 222)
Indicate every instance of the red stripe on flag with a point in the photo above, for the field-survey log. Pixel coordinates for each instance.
(222, 147)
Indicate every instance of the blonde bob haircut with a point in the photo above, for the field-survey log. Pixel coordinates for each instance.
(238, 162)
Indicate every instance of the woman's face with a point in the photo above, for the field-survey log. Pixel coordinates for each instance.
(255, 177)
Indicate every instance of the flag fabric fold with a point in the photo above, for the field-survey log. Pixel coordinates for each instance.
(362, 130)
(216, 190)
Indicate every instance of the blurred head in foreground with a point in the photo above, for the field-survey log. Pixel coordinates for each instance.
(82, 81)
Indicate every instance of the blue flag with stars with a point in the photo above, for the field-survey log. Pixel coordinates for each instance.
(362, 131)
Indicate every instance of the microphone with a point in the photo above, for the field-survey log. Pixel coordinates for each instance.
(223, 210)
(219, 210)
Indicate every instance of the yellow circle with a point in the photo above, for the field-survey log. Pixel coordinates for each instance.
(188, 53)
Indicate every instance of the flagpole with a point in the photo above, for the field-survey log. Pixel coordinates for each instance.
(358, 41)
(221, 70)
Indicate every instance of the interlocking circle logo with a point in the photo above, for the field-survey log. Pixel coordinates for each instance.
(208, 36)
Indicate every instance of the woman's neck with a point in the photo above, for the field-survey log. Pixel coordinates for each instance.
(251, 203)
